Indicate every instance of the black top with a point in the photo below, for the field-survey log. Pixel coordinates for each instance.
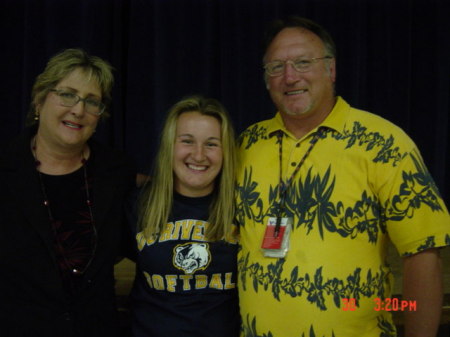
(34, 301)
(70, 217)
(185, 286)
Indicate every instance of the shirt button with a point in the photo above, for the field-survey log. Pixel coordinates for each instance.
(293, 164)
(297, 145)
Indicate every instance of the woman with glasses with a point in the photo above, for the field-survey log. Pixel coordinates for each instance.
(186, 244)
(61, 217)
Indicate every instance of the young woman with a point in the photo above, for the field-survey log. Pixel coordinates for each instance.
(186, 244)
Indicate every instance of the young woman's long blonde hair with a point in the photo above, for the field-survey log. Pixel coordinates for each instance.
(157, 197)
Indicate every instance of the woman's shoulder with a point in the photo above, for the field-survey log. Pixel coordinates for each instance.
(14, 149)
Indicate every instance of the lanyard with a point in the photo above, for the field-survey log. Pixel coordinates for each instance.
(285, 186)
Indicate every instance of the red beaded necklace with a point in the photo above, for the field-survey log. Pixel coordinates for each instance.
(75, 270)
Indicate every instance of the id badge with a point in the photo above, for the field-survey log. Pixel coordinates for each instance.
(276, 244)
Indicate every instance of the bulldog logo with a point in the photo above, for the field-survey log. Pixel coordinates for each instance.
(191, 257)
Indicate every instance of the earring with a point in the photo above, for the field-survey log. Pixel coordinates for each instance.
(36, 115)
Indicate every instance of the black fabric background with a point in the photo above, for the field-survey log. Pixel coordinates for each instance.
(393, 60)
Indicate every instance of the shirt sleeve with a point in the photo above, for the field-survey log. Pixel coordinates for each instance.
(415, 214)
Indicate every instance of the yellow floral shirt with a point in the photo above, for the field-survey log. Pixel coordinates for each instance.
(363, 183)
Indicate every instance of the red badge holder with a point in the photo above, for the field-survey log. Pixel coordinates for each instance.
(276, 237)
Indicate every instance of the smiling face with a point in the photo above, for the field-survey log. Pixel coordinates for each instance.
(62, 128)
(197, 154)
(301, 95)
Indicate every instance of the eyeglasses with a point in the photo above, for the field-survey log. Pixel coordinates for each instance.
(70, 99)
(276, 68)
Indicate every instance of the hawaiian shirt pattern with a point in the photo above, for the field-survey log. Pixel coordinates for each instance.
(362, 185)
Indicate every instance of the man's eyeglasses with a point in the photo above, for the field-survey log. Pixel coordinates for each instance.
(276, 68)
(69, 99)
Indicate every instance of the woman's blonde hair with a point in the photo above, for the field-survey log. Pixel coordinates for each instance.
(61, 65)
(156, 200)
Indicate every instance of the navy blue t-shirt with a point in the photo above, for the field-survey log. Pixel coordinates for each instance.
(185, 286)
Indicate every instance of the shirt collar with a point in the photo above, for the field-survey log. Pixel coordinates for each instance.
(335, 120)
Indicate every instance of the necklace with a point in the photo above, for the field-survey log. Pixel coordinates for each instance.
(75, 270)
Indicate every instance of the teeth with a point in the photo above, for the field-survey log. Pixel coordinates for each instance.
(196, 168)
(71, 125)
(296, 92)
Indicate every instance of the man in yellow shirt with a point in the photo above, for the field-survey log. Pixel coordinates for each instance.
(326, 186)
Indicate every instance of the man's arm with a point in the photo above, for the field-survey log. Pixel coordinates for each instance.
(422, 282)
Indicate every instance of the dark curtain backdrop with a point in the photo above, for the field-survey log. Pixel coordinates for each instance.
(393, 60)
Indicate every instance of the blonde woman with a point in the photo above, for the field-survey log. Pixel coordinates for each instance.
(186, 263)
(61, 214)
